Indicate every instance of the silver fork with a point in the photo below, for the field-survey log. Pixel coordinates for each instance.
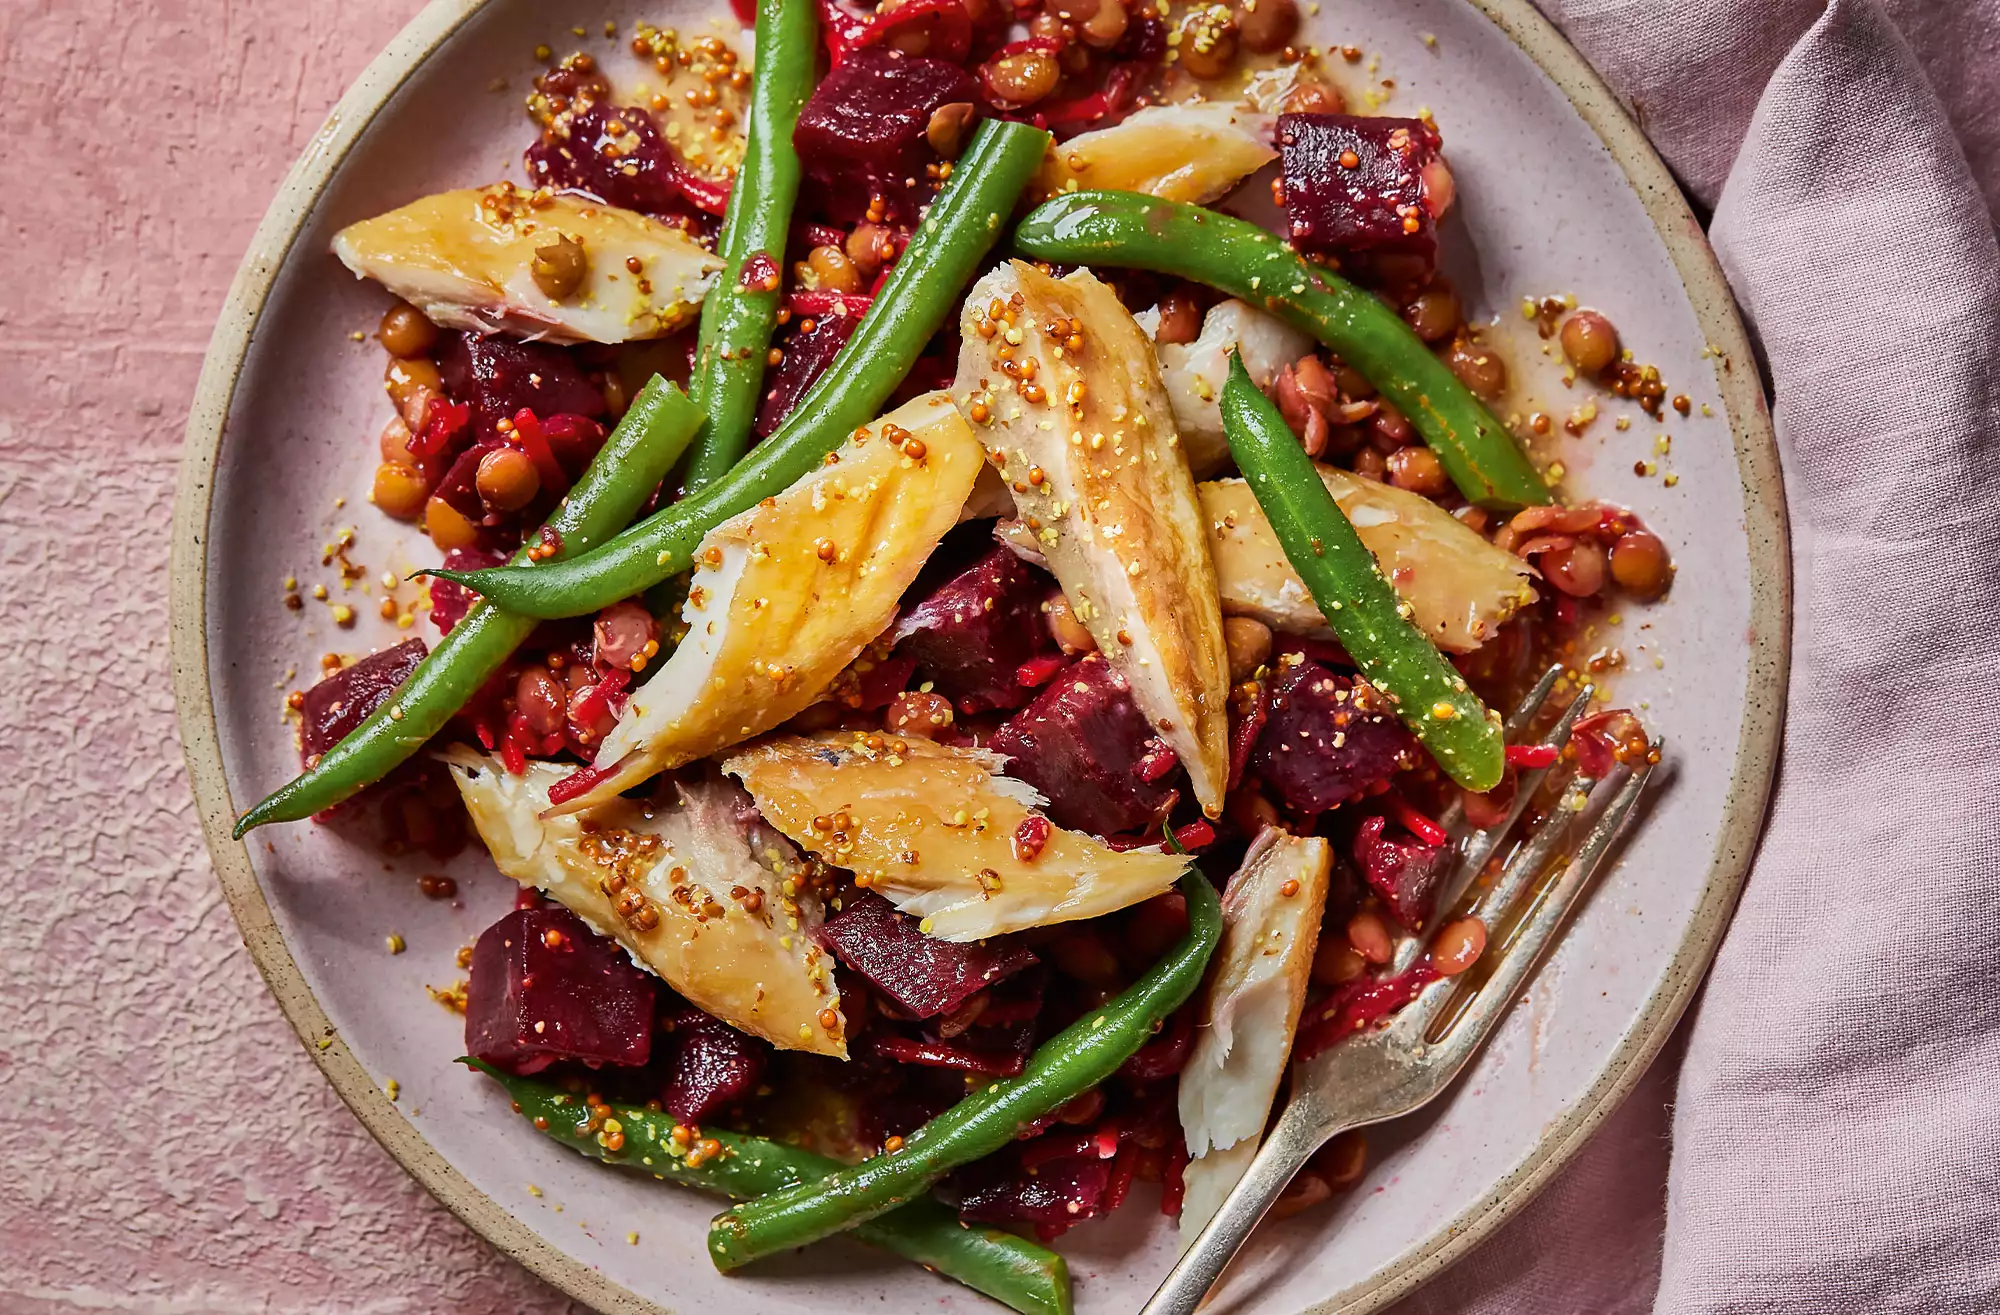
(1374, 1076)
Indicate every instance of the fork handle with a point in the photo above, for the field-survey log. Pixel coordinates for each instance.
(1302, 1129)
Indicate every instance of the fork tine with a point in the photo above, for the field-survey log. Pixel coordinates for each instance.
(1539, 924)
(1478, 846)
(1517, 721)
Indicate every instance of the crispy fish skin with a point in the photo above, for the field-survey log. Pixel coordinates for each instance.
(464, 258)
(1271, 913)
(937, 831)
(1460, 588)
(1078, 422)
(1192, 153)
(787, 594)
(751, 959)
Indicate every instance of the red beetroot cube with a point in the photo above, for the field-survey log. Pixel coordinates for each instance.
(545, 987)
(807, 354)
(974, 632)
(335, 706)
(865, 125)
(1361, 186)
(1328, 739)
(1403, 870)
(923, 975)
(1053, 1197)
(713, 1066)
(450, 601)
(1084, 743)
(497, 377)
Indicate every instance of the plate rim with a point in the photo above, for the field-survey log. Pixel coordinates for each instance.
(1765, 523)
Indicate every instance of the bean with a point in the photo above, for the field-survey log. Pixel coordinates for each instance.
(1370, 464)
(1248, 643)
(1336, 961)
(1106, 27)
(507, 479)
(621, 634)
(1369, 936)
(734, 341)
(399, 490)
(870, 246)
(1306, 1190)
(1478, 368)
(395, 442)
(1434, 313)
(1021, 79)
(919, 713)
(1458, 946)
(406, 375)
(1267, 25)
(1180, 319)
(559, 268)
(1590, 342)
(1315, 97)
(1070, 634)
(947, 128)
(963, 224)
(1418, 470)
(1208, 43)
(405, 331)
(1343, 1160)
(1577, 570)
(1640, 565)
(541, 700)
(833, 270)
(448, 527)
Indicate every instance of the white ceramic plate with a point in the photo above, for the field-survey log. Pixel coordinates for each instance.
(1558, 193)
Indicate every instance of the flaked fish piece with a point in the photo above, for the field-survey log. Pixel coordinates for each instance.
(1067, 394)
(1192, 153)
(787, 594)
(1271, 912)
(1194, 372)
(716, 907)
(466, 259)
(1460, 588)
(937, 831)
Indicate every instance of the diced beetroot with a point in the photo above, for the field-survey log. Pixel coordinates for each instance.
(1166, 1054)
(1328, 739)
(1052, 1198)
(1404, 871)
(450, 601)
(862, 132)
(545, 987)
(338, 704)
(1358, 1004)
(712, 1066)
(1363, 186)
(633, 167)
(962, 1055)
(1081, 743)
(807, 354)
(921, 974)
(499, 376)
(975, 632)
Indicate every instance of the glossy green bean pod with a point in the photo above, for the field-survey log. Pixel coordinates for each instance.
(1011, 1270)
(637, 455)
(736, 320)
(1132, 230)
(921, 293)
(1080, 1057)
(1433, 700)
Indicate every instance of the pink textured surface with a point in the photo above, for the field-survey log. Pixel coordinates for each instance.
(169, 1147)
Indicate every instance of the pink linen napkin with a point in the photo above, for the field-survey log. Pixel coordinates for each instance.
(1834, 1143)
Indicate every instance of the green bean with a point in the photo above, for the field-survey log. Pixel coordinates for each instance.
(947, 248)
(1009, 1269)
(736, 320)
(648, 440)
(1131, 230)
(1448, 719)
(1083, 1055)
